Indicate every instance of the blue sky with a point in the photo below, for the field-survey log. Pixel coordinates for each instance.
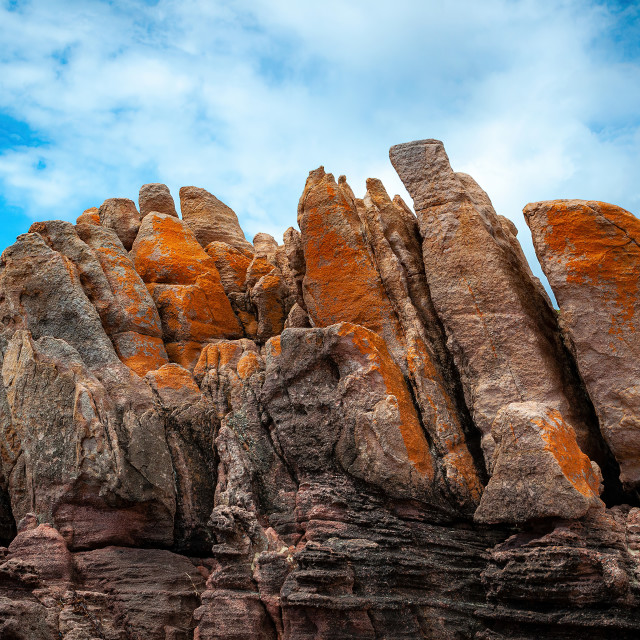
(535, 99)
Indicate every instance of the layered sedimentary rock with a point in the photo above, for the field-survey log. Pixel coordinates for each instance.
(376, 429)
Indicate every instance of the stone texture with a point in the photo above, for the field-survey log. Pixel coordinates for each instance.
(97, 464)
(308, 464)
(500, 328)
(121, 215)
(80, 469)
(538, 470)
(589, 252)
(89, 216)
(185, 286)
(374, 432)
(156, 197)
(210, 219)
(111, 283)
(347, 288)
(393, 235)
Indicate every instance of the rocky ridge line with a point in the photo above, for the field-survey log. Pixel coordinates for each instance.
(380, 428)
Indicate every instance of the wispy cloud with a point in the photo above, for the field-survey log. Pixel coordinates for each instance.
(535, 100)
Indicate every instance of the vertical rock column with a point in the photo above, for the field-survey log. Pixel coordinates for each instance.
(590, 252)
(354, 277)
(500, 327)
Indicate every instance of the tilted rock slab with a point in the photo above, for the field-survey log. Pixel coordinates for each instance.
(352, 274)
(500, 326)
(589, 251)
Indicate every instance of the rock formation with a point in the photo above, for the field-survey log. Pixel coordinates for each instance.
(589, 252)
(379, 429)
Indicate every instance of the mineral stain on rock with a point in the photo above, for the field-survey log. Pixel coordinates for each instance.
(378, 429)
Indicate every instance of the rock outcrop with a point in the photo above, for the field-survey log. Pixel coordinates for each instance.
(210, 219)
(156, 197)
(500, 326)
(589, 252)
(379, 428)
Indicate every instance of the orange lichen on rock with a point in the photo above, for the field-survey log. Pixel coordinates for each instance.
(259, 267)
(341, 281)
(560, 440)
(597, 244)
(380, 362)
(249, 364)
(174, 385)
(125, 283)
(89, 216)
(590, 252)
(174, 377)
(539, 470)
(231, 263)
(273, 347)
(194, 312)
(133, 322)
(139, 352)
(185, 354)
(185, 285)
(217, 355)
(238, 354)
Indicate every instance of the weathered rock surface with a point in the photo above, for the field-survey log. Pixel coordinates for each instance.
(201, 438)
(185, 286)
(156, 197)
(121, 215)
(538, 470)
(589, 252)
(210, 219)
(500, 326)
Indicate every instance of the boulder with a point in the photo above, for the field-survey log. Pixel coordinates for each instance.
(156, 197)
(538, 469)
(121, 215)
(210, 219)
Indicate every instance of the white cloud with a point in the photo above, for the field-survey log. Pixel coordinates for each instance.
(245, 98)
